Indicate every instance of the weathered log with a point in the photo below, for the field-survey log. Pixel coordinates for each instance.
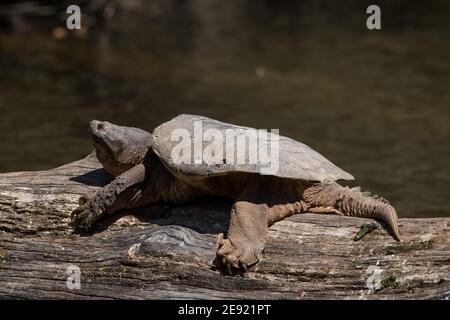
(162, 251)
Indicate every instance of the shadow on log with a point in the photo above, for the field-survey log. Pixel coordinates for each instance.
(167, 252)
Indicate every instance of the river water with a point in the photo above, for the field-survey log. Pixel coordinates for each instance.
(376, 103)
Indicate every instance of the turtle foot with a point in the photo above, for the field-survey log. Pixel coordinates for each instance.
(86, 214)
(238, 255)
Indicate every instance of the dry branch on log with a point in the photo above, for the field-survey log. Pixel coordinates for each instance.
(162, 251)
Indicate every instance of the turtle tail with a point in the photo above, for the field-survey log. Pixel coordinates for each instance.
(332, 197)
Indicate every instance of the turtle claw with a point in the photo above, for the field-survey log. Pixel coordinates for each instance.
(83, 217)
(233, 257)
(83, 200)
(80, 219)
(220, 240)
(229, 268)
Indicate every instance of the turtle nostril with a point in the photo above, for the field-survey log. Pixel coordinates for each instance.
(100, 126)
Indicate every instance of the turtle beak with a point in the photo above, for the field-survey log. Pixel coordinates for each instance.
(104, 136)
(97, 130)
(96, 127)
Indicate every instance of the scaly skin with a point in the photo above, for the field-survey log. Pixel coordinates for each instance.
(260, 200)
(323, 197)
(119, 148)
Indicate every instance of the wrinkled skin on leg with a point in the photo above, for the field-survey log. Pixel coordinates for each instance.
(246, 235)
(334, 198)
(143, 184)
(264, 201)
(122, 192)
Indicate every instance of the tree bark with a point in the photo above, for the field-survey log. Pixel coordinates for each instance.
(167, 252)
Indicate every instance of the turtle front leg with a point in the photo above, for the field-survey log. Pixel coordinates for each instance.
(122, 192)
(246, 236)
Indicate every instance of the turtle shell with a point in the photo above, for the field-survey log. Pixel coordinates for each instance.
(193, 146)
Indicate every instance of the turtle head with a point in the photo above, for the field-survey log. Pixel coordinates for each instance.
(119, 148)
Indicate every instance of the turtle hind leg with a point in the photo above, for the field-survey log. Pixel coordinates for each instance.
(246, 236)
(122, 192)
(334, 198)
(262, 203)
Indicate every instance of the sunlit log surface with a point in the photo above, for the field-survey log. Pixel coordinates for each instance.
(167, 252)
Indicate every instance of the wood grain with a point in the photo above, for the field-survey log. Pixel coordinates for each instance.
(167, 252)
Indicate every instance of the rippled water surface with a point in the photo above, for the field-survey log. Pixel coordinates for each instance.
(375, 103)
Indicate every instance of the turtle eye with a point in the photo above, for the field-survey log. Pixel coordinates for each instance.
(100, 126)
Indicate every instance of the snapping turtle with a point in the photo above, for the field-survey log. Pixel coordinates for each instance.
(161, 167)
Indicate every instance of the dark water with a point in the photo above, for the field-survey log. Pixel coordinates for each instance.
(375, 103)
